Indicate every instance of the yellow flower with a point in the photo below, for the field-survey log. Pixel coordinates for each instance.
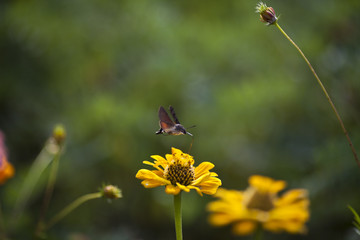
(177, 173)
(259, 204)
(6, 169)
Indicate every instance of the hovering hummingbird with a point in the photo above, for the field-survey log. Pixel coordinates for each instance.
(169, 126)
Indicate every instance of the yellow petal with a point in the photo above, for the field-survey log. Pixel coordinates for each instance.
(209, 186)
(244, 227)
(198, 180)
(145, 174)
(289, 226)
(179, 155)
(150, 183)
(154, 165)
(223, 193)
(176, 151)
(159, 160)
(221, 206)
(232, 196)
(292, 196)
(290, 213)
(196, 189)
(169, 158)
(148, 163)
(266, 184)
(170, 189)
(277, 186)
(160, 173)
(219, 219)
(182, 187)
(203, 168)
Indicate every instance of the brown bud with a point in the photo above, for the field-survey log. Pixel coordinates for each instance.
(267, 14)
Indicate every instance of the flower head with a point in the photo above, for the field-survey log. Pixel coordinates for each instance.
(111, 192)
(6, 169)
(267, 14)
(260, 204)
(176, 172)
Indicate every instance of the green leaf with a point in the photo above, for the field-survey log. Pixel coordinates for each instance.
(356, 221)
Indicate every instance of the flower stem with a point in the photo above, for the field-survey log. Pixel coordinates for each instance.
(178, 217)
(49, 190)
(258, 235)
(42, 161)
(325, 92)
(71, 207)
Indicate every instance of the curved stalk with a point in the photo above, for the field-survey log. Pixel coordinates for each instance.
(71, 207)
(324, 91)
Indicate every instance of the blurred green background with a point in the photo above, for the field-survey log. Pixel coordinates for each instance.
(102, 68)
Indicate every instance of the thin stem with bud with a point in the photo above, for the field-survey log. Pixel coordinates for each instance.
(324, 91)
(267, 15)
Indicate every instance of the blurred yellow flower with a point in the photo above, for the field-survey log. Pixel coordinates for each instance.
(177, 173)
(6, 169)
(260, 205)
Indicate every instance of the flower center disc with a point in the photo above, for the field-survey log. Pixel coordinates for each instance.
(261, 201)
(179, 173)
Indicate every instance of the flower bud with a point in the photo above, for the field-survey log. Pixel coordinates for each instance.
(267, 14)
(59, 134)
(111, 192)
(6, 169)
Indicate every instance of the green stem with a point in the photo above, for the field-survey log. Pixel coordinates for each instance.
(48, 192)
(42, 161)
(178, 217)
(258, 235)
(71, 207)
(325, 92)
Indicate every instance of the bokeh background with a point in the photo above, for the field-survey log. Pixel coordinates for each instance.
(103, 68)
